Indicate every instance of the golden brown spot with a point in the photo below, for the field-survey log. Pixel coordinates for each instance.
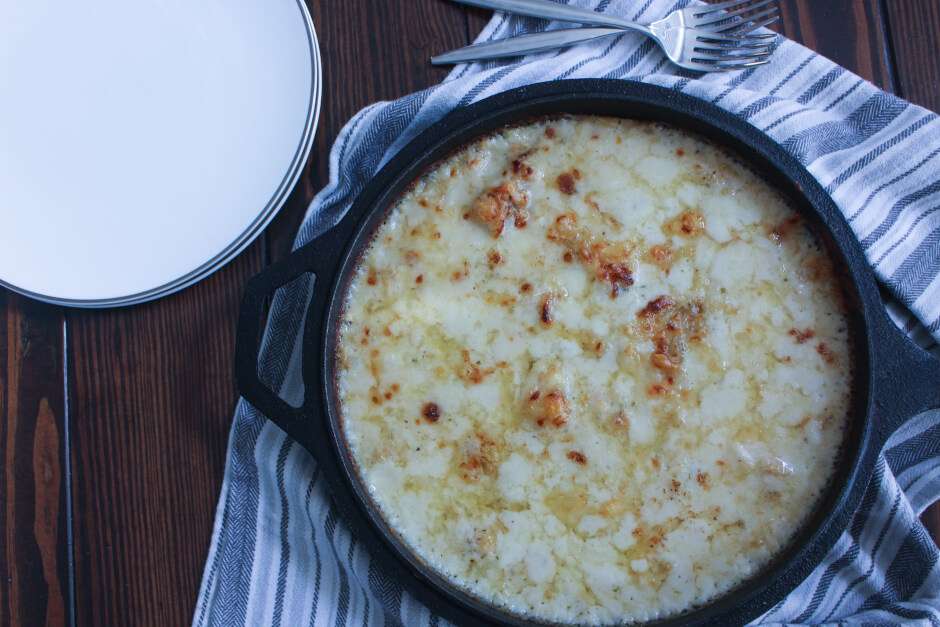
(521, 168)
(702, 479)
(565, 183)
(617, 274)
(495, 257)
(655, 462)
(608, 259)
(372, 278)
(521, 219)
(657, 390)
(827, 353)
(412, 257)
(545, 311)
(387, 332)
(419, 278)
(577, 457)
(689, 223)
(458, 275)
(781, 232)
(621, 421)
(526, 287)
(692, 223)
(551, 408)
(471, 372)
(423, 202)
(494, 206)
(388, 396)
(676, 485)
(568, 257)
(479, 455)
(431, 412)
(680, 152)
(655, 306)
(437, 235)
(577, 174)
(660, 254)
(802, 336)
(549, 132)
(466, 216)
(453, 172)
(395, 387)
(664, 362)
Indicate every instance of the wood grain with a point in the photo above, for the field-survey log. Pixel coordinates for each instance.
(912, 27)
(152, 396)
(847, 31)
(915, 43)
(34, 556)
(372, 51)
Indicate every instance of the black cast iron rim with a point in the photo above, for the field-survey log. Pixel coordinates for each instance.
(882, 401)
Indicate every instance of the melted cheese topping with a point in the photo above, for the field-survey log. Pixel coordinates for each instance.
(594, 370)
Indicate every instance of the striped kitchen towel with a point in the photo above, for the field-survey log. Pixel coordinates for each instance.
(280, 554)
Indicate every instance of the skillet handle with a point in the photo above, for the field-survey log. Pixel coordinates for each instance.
(907, 379)
(249, 333)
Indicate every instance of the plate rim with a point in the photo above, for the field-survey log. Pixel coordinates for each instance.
(251, 232)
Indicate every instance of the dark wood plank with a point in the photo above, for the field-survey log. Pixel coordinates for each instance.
(914, 26)
(371, 51)
(151, 401)
(34, 556)
(847, 31)
(477, 18)
(913, 40)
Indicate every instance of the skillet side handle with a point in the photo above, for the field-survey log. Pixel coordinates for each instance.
(907, 379)
(249, 334)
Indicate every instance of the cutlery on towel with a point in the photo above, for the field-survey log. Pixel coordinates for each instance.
(706, 38)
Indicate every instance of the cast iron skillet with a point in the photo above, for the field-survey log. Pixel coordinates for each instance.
(894, 379)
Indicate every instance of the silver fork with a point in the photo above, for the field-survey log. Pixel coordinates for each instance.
(705, 38)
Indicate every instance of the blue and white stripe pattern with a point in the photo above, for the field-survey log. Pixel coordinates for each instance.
(280, 554)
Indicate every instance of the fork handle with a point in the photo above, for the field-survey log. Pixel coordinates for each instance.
(556, 11)
(524, 44)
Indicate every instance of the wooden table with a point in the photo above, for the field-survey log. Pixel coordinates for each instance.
(114, 424)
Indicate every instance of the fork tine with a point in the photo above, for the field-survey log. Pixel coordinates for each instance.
(734, 42)
(716, 58)
(732, 14)
(737, 29)
(741, 66)
(742, 26)
(720, 67)
(721, 5)
(734, 38)
(728, 48)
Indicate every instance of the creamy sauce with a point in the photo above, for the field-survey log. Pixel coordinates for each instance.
(594, 370)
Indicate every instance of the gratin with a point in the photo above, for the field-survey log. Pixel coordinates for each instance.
(594, 370)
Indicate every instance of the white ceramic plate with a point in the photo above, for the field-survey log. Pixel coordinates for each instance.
(144, 144)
